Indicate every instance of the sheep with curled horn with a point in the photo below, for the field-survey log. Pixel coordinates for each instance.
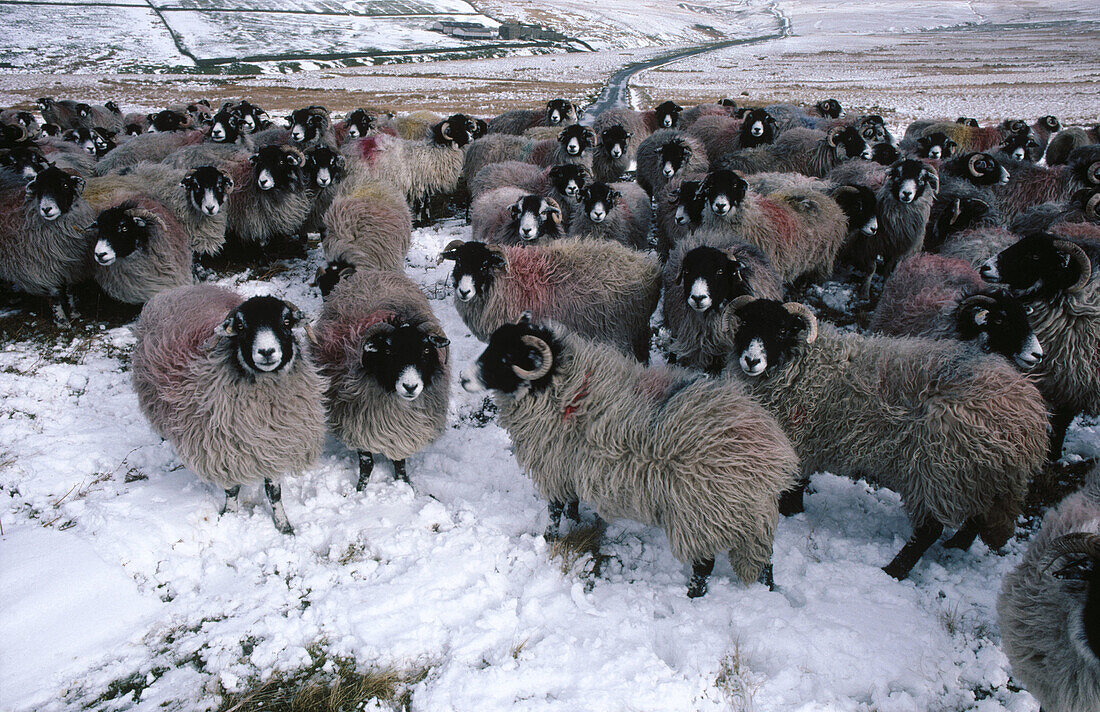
(956, 432)
(225, 380)
(1049, 607)
(511, 216)
(661, 445)
(807, 151)
(1032, 185)
(1056, 278)
(573, 145)
(562, 183)
(602, 290)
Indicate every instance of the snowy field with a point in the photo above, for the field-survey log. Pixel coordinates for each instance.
(122, 589)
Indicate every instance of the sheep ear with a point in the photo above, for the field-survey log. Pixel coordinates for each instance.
(228, 327)
(439, 341)
(140, 222)
(516, 208)
(615, 195)
(78, 185)
(524, 319)
(496, 256)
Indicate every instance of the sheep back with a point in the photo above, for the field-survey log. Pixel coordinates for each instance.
(147, 147)
(369, 226)
(920, 296)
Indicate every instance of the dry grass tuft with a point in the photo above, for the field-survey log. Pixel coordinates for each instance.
(735, 681)
(580, 543)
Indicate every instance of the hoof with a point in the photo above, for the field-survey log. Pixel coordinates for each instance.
(697, 589)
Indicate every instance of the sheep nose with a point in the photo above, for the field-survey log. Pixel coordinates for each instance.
(697, 298)
(410, 387)
(101, 257)
(268, 354)
(906, 196)
(751, 362)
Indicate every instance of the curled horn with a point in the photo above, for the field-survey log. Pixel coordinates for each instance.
(555, 209)
(445, 130)
(450, 246)
(1078, 257)
(803, 312)
(731, 320)
(1093, 173)
(1076, 543)
(1092, 207)
(545, 354)
(970, 165)
(978, 300)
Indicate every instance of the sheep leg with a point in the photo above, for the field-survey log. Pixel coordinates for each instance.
(553, 529)
(924, 536)
(278, 515)
(70, 303)
(231, 499)
(767, 577)
(399, 471)
(790, 501)
(1060, 421)
(571, 511)
(965, 536)
(700, 572)
(366, 466)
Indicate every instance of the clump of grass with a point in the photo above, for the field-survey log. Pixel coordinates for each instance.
(582, 542)
(734, 680)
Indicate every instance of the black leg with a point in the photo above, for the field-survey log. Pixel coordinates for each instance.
(278, 515)
(553, 529)
(790, 501)
(700, 572)
(1059, 423)
(571, 511)
(965, 536)
(399, 471)
(231, 499)
(767, 577)
(366, 465)
(924, 536)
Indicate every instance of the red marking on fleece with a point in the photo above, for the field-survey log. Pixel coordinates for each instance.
(531, 276)
(575, 402)
(986, 137)
(335, 339)
(368, 148)
(785, 227)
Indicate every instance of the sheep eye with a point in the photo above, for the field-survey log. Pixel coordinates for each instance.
(1028, 309)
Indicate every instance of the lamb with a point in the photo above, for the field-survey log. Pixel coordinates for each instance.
(369, 227)
(147, 148)
(956, 432)
(43, 249)
(418, 169)
(225, 381)
(663, 446)
(666, 154)
(620, 212)
(140, 250)
(510, 216)
(942, 298)
(1067, 140)
(571, 146)
(384, 356)
(1055, 278)
(1048, 607)
(558, 112)
(904, 203)
(806, 151)
(1034, 185)
(195, 197)
(601, 290)
(702, 277)
(800, 230)
(561, 183)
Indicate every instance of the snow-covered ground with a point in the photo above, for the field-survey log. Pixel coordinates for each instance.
(119, 575)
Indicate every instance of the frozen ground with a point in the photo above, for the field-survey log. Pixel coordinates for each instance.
(123, 589)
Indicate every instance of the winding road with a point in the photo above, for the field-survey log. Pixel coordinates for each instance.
(616, 93)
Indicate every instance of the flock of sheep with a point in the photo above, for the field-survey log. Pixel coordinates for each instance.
(984, 345)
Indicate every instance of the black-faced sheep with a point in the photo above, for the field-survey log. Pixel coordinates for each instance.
(563, 183)
(806, 151)
(679, 212)
(573, 145)
(384, 356)
(1049, 607)
(722, 135)
(956, 432)
(614, 154)
(148, 147)
(1020, 147)
(1055, 277)
(663, 446)
(1034, 185)
(558, 112)
(324, 170)
(225, 381)
(511, 216)
(619, 212)
(666, 154)
(269, 200)
(601, 290)
(43, 248)
(139, 250)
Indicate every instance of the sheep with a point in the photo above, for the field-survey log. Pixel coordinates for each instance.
(357, 124)
(858, 203)
(1048, 607)
(1034, 185)
(225, 381)
(976, 245)
(903, 205)
(140, 249)
(616, 211)
(601, 290)
(702, 277)
(369, 227)
(1055, 278)
(419, 169)
(663, 446)
(195, 197)
(308, 128)
(21, 118)
(957, 433)
(252, 117)
(510, 216)
(679, 211)
(571, 146)
(936, 146)
(721, 135)
(967, 137)
(1067, 140)
(800, 230)
(724, 107)
(96, 142)
(23, 162)
(765, 183)
(1084, 205)
(1043, 128)
(615, 153)
(806, 151)
(384, 356)
(857, 171)
(164, 121)
(69, 114)
(640, 123)
(269, 198)
(62, 113)
(324, 169)
(942, 298)
(666, 154)
(43, 249)
(148, 147)
(962, 208)
(561, 183)
(558, 112)
(223, 146)
(1020, 147)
